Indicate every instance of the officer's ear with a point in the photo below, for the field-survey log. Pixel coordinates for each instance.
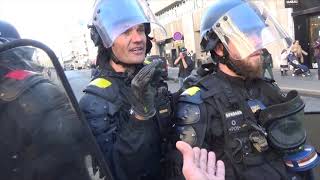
(219, 49)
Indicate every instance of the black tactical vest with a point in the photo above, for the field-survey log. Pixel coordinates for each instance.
(241, 143)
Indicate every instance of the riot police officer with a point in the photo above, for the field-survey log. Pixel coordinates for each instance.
(245, 119)
(41, 134)
(119, 103)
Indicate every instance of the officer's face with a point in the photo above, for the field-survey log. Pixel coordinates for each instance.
(130, 46)
(251, 66)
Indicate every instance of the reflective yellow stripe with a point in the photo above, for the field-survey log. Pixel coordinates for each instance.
(191, 91)
(147, 61)
(101, 83)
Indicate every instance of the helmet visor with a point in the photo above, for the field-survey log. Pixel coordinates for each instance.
(113, 17)
(246, 29)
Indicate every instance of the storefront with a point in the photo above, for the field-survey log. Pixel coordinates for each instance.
(306, 17)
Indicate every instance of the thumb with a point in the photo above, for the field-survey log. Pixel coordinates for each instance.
(186, 151)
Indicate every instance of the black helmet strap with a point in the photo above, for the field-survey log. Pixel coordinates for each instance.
(225, 59)
(117, 61)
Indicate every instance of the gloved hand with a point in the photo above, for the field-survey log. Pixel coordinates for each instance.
(143, 92)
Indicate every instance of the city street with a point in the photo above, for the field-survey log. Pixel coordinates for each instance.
(79, 79)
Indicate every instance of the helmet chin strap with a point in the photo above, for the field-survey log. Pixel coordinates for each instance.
(130, 68)
(117, 61)
(225, 59)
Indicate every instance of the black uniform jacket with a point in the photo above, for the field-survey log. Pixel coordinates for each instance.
(131, 147)
(207, 130)
(38, 130)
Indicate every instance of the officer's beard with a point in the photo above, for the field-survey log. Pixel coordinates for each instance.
(249, 68)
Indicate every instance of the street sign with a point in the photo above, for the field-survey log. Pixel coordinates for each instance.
(291, 3)
(177, 36)
(178, 43)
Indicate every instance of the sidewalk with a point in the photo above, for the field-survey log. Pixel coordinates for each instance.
(309, 86)
(305, 85)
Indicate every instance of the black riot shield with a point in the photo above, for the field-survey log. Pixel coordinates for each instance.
(42, 132)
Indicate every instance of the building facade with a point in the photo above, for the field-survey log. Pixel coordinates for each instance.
(306, 17)
(184, 17)
(181, 17)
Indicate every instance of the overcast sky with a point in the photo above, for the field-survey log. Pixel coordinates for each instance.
(49, 21)
(53, 21)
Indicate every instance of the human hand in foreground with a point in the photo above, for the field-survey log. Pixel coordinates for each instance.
(198, 164)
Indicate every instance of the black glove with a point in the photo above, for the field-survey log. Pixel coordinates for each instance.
(143, 92)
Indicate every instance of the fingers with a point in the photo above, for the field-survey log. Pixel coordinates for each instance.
(184, 148)
(214, 169)
(211, 169)
(187, 153)
(145, 72)
(203, 160)
(197, 153)
(220, 169)
(194, 158)
(144, 76)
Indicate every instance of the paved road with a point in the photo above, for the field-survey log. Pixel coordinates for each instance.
(78, 81)
(309, 86)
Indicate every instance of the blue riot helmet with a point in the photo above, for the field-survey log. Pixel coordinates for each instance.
(18, 57)
(8, 31)
(242, 27)
(112, 18)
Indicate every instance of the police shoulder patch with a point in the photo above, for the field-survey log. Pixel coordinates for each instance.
(104, 88)
(191, 91)
(192, 94)
(146, 61)
(101, 83)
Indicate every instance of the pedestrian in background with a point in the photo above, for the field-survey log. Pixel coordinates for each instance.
(298, 51)
(193, 58)
(185, 65)
(284, 67)
(316, 47)
(267, 63)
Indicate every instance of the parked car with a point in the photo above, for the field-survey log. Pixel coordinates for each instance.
(164, 65)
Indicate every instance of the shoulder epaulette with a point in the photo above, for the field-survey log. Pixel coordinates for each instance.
(101, 83)
(192, 94)
(104, 88)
